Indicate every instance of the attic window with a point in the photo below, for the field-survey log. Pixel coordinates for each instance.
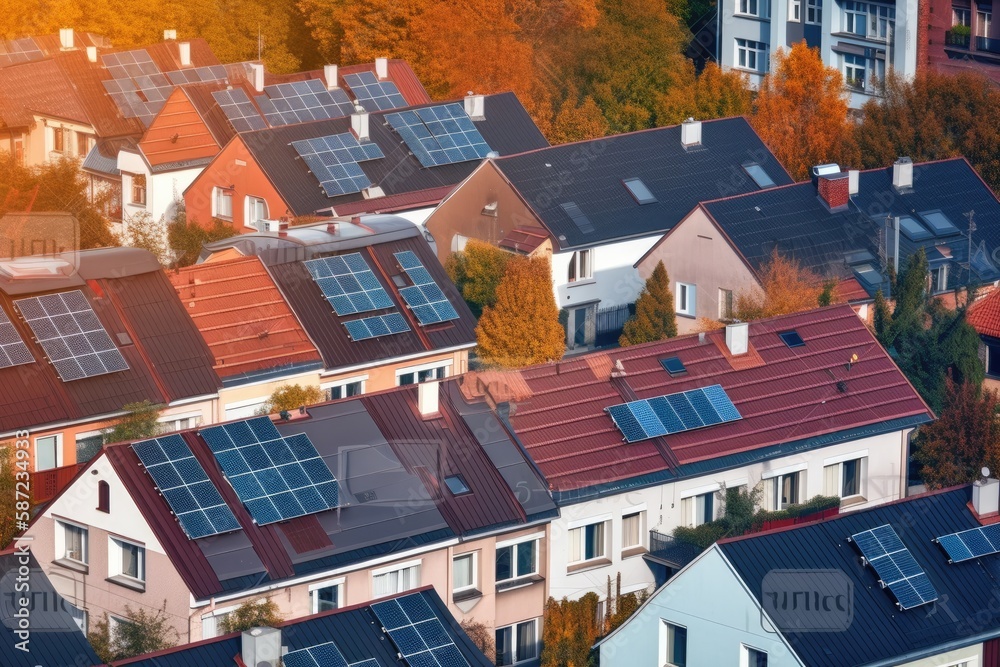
(639, 191)
(456, 484)
(578, 217)
(939, 223)
(792, 339)
(759, 176)
(912, 229)
(674, 366)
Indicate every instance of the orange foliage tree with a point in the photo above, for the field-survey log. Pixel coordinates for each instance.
(523, 327)
(801, 112)
(785, 287)
(712, 94)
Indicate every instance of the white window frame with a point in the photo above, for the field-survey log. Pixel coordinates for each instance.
(581, 535)
(215, 616)
(689, 299)
(239, 408)
(667, 640)
(814, 12)
(444, 364)
(250, 211)
(181, 422)
(584, 258)
(939, 279)
(776, 483)
(641, 514)
(961, 16)
(58, 439)
(474, 555)
(116, 546)
(839, 461)
(723, 314)
(138, 194)
(755, 55)
(745, 654)
(399, 567)
(795, 10)
(514, 544)
(328, 387)
(314, 590)
(515, 659)
(60, 542)
(219, 196)
(855, 75)
(751, 8)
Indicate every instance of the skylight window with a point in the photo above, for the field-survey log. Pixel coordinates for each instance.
(578, 217)
(792, 339)
(639, 191)
(912, 229)
(868, 273)
(939, 223)
(674, 366)
(456, 484)
(759, 176)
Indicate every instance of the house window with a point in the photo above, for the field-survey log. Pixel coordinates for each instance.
(814, 12)
(698, 509)
(171, 424)
(517, 643)
(581, 265)
(984, 23)
(138, 189)
(846, 478)
(632, 532)
(457, 485)
(413, 376)
(395, 580)
(795, 10)
(73, 546)
(855, 18)
(993, 359)
(939, 279)
(463, 572)
(673, 640)
(725, 304)
(58, 140)
(84, 142)
(517, 560)
(753, 657)
(223, 203)
(751, 55)
(787, 489)
(256, 212)
(960, 16)
(750, 7)
(325, 595)
(103, 497)
(588, 542)
(87, 446)
(685, 299)
(344, 390)
(127, 560)
(854, 71)
(47, 452)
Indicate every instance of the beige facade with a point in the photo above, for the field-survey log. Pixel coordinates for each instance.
(48, 139)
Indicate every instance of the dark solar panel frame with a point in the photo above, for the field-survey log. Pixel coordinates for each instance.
(184, 484)
(418, 633)
(240, 111)
(322, 655)
(895, 566)
(13, 350)
(71, 334)
(673, 413)
(334, 159)
(374, 95)
(376, 326)
(304, 101)
(969, 544)
(442, 134)
(348, 283)
(425, 298)
(129, 64)
(198, 75)
(21, 50)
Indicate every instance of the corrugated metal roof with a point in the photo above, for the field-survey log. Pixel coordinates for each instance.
(38, 87)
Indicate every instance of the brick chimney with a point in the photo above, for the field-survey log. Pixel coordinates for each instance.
(834, 190)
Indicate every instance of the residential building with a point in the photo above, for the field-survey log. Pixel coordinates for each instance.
(941, 612)
(427, 489)
(959, 37)
(864, 40)
(843, 226)
(596, 207)
(367, 634)
(278, 173)
(807, 404)
(420, 347)
(984, 316)
(87, 333)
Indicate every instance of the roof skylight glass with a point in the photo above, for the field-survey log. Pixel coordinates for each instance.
(639, 191)
(912, 229)
(759, 176)
(939, 223)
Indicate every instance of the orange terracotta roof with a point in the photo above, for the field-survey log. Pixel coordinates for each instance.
(984, 315)
(849, 289)
(242, 316)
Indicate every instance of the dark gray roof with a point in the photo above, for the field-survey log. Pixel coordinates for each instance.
(794, 220)
(589, 174)
(966, 612)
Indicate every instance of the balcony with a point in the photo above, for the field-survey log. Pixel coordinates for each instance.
(670, 551)
(46, 484)
(988, 45)
(957, 40)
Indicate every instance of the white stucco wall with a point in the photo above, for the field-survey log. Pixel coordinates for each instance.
(615, 281)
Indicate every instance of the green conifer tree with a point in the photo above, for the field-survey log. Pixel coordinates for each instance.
(654, 317)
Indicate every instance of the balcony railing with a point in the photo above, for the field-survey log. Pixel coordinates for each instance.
(45, 484)
(669, 549)
(957, 39)
(987, 45)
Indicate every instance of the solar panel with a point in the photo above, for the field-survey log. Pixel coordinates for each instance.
(304, 101)
(418, 634)
(437, 135)
(673, 413)
(321, 655)
(895, 566)
(375, 95)
(427, 301)
(348, 284)
(20, 51)
(73, 338)
(198, 74)
(185, 486)
(276, 478)
(376, 326)
(13, 351)
(334, 159)
(240, 111)
(969, 544)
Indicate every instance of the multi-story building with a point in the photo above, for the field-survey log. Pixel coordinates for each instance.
(960, 37)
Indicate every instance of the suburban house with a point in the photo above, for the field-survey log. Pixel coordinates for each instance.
(959, 37)
(416, 626)
(845, 226)
(405, 323)
(596, 207)
(343, 503)
(984, 316)
(380, 159)
(637, 441)
(85, 334)
(912, 583)
(864, 40)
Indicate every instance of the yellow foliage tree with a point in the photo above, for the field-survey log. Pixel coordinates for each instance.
(785, 287)
(291, 397)
(712, 94)
(523, 327)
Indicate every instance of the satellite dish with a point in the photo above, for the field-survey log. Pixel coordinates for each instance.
(986, 472)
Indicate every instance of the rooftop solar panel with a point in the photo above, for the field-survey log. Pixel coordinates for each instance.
(348, 284)
(240, 111)
(418, 634)
(72, 336)
(304, 101)
(185, 486)
(973, 543)
(20, 51)
(198, 74)
(321, 655)
(13, 351)
(895, 566)
(427, 301)
(374, 95)
(129, 64)
(376, 326)
(334, 159)
(437, 135)
(673, 413)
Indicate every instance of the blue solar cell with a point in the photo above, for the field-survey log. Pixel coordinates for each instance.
(342, 305)
(255, 457)
(149, 452)
(977, 543)
(906, 595)
(357, 330)
(295, 477)
(380, 299)
(222, 518)
(330, 286)
(271, 480)
(416, 608)
(906, 563)
(445, 311)
(217, 438)
(407, 640)
(721, 402)
(396, 323)
(407, 259)
(648, 421)
(992, 533)
(300, 446)
(329, 492)
(180, 499)
(887, 570)
(414, 296)
(300, 658)
(432, 292)
(390, 614)
(189, 469)
(286, 504)
(263, 511)
(425, 659)
(232, 462)
(666, 414)
(955, 547)
(685, 411)
(433, 633)
(247, 487)
(165, 476)
(627, 423)
(240, 433)
(887, 537)
(426, 314)
(924, 588)
(311, 500)
(420, 276)
(706, 412)
(328, 655)
(449, 656)
(263, 428)
(317, 470)
(869, 546)
(196, 524)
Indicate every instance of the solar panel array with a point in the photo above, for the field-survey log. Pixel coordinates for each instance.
(969, 544)
(418, 634)
(137, 86)
(240, 111)
(673, 413)
(376, 326)
(13, 351)
(129, 64)
(348, 284)
(73, 338)
(182, 480)
(198, 74)
(437, 135)
(895, 566)
(20, 51)
(303, 101)
(334, 159)
(276, 478)
(374, 95)
(323, 655)
(425, 297)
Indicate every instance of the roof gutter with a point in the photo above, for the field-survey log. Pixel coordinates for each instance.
(955, 644)
(383, 362)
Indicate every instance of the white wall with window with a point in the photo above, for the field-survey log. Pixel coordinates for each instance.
(180, 422)
(517, 558)
(752, 657)
(854, 70)
(126, 561)
(633, 530)
(751, 55)
(326, 595)
(756, 8)
(254, 211)
(344, 388)
(432, 370)
(700, 505)
(673, 644)
(48, 452)
(588, 540)
(395, 579)
(517, 643)
(795, 10)
(685, 299)
(846, 476)
(211, 623)
(465, 573)
(71, 542)
(581, 265)
(785, 486)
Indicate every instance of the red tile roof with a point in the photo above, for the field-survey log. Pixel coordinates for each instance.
(984, 315)
(242, 316)
(524, 239)
(38, 87)
(793, 396)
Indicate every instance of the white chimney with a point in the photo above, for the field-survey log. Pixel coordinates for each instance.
(691, 133)
(382, 68)
(184, 49)
(902, 173)
(475, 106)
(986, 496)
(427, 398)
(92, 54)
(257, 76)
(169, 34)
(359, 125)
(330, 74)
(66, 38)
(261, 647)
(852, 181)
(737, 338)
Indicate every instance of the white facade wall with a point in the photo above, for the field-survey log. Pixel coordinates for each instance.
(615, 280)
(164, 191)
(884, 481)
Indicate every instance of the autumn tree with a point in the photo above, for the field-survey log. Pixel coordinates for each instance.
(290, 397)
(187, 238)
(141, 420)
(8, 494)
(481, 636)
(714, 93)
(801, 112)
(964, 438)
(578, 120)
(140, 631)
(785, 287)
(569, 630)
(654, 317)
(523, 327)
(144, 231)
(255, 613)
(477, 272)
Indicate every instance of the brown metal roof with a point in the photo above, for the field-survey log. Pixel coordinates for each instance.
(85, 78)
(38, 87)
